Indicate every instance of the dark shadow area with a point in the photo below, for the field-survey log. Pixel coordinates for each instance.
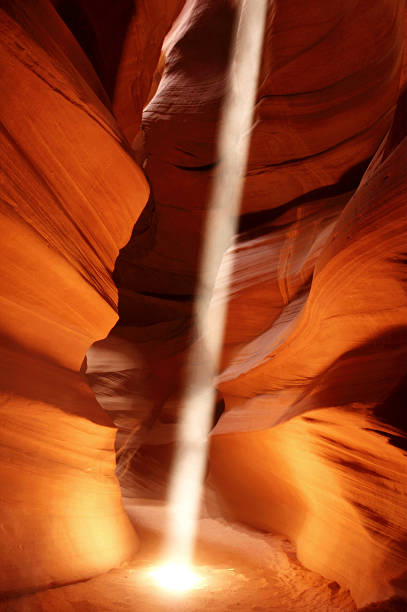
(30, 375)
(257, 223)
(99, 25)
(374, 374)
(398, 129)
(393, 412)
(218, 411)
(395, 604)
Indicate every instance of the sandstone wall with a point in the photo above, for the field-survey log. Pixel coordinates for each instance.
(70, 194)
(313, 363)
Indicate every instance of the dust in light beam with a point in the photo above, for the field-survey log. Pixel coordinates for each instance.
(197, 407)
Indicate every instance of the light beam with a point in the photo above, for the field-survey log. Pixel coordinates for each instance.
(197, 406)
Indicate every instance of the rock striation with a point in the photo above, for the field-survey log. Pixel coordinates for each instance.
(70, 194)
(123, 40)
(314, 403)
(311, 442)
(310, 436)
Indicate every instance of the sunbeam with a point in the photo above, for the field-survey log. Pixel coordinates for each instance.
(197, 408)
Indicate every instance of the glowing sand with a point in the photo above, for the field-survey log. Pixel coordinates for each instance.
(175, 577)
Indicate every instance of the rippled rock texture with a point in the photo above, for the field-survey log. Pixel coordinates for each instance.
(311, 442)
(70, 194)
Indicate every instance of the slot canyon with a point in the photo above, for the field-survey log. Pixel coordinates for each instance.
(110, 114)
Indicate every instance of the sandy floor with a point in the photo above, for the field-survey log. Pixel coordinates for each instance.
(241, 571)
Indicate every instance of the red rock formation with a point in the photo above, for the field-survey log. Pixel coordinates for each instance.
(316, 306)
(156, 272)
(311, 443)
(332, 479)
(123, 40)
(70, 193)
(315, 120)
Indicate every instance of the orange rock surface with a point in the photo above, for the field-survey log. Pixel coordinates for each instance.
(316, 307)
(124, 40)
(70, 194)
(311, 442)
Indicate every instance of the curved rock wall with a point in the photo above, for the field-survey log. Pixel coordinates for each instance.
(70, 194)
(313, 363)
(322, 110)
(123, 40)
(326, 384)
(312, 443)
(313, 368)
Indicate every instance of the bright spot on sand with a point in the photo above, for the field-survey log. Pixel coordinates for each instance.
(175, 577)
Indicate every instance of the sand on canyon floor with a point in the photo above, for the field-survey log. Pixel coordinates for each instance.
(240, 570)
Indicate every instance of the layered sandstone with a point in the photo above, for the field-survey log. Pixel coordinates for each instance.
(311, 442)
(70, 194)
(316, 303)
(123, 40)
(322, 392)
